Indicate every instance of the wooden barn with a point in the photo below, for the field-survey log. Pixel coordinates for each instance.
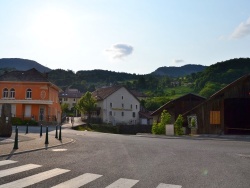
(178, 106)
(225, 112)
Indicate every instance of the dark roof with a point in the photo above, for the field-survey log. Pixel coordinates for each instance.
(168, 104)
(138, 94)
(145, 115)
(236, 82)
(103, 93)
(70, 94)
(31, 75)
(220, 92)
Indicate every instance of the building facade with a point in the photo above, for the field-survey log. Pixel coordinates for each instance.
(70, 97)
(31, 96)
(225, 112)
(117, 105)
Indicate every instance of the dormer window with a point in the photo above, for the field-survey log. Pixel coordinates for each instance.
(28, 94)
(5, 93)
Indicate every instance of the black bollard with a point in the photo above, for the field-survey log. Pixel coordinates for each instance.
(60, 133)
(47, 136)
(56, 133)
(27, 128)
(41, 131)
(16, 139)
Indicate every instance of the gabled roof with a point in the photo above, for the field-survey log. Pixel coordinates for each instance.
(102, 93)
(31, 75)
(236, 82)
(168, 104)
(220, 92)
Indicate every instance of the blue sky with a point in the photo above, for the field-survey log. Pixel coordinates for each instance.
(134, 36)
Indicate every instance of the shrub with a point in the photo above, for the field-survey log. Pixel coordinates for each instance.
(178, 125)
(159, 128)
(19, 121)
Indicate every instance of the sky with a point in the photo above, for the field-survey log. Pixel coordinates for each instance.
(133, 36)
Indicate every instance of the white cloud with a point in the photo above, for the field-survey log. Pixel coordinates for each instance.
(118, 51)
(242, 30)
(176, 61)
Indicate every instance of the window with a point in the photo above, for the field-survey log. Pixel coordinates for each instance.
(111, 104)
(135, 106)
(214, 117)
(28, 94)
(131, 106)
(122, 113)
(133, 114)
(12, 93)
(65, 99)
(74, 99)
(110, 113)
(122, 105)
(122, 97)
(5, 93)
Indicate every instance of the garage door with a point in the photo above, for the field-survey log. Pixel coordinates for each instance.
(237, 116)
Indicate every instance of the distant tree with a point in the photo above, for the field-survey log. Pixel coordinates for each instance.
(65, 107)
(86, 104)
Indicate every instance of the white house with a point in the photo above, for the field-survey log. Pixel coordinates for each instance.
(117, 105)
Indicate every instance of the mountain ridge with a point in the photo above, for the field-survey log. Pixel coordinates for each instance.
(22, 64)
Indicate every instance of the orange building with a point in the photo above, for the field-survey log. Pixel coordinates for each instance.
(31, 95)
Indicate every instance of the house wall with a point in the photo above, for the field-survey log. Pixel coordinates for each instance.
(119, 107)
(44, 96)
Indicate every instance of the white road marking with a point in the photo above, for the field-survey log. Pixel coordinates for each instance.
(78, 181)
(34, 179)
(18, 169)
(162, 185)
(5, 162)
(123, 183)
(59, 149)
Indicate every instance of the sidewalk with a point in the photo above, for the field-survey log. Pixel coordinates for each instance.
(33, 141)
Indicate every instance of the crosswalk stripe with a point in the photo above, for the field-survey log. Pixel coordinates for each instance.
(18, 169)
(34, 179)
(5, 162)
(162, 185)
(78, 181)
(123, 183)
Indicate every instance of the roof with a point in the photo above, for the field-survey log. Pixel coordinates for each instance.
(218, 93)
(70, 94)
(145, 115)
(102, 93)
(31, 75)
(168, 104)
(236, 82)
(138, 94)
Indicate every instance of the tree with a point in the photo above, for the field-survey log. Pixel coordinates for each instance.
(65, 107)
(87, 104)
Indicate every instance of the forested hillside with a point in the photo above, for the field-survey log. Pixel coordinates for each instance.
(159, 89)
(219, 75)
(178, 71)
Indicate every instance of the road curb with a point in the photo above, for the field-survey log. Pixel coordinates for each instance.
(37, 149)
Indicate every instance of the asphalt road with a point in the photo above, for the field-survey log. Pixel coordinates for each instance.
(146, 162)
